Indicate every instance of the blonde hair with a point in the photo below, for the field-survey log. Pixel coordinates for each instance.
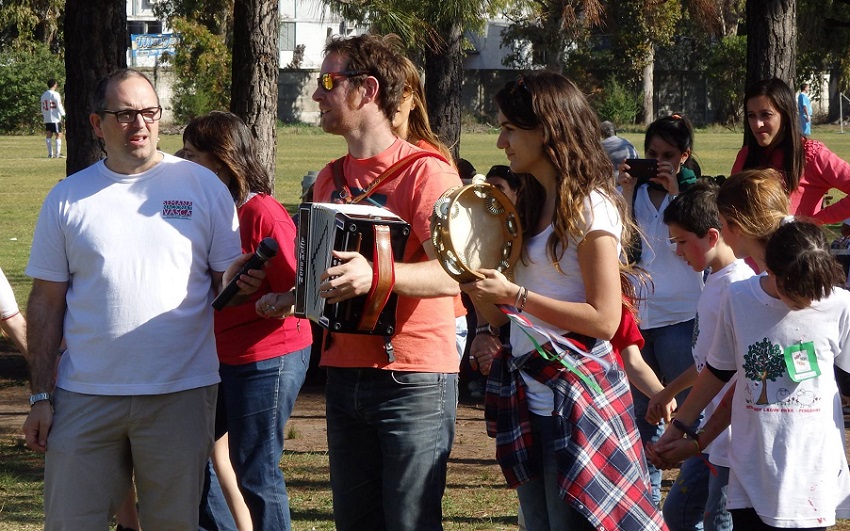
(755, 202)
(418, 123)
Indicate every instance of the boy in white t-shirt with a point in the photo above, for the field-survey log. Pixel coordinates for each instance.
(781, 333)
(694, 224)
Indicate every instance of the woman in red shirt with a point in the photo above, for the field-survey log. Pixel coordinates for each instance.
(263, 361)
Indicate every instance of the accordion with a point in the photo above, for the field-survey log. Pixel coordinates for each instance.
(374, 232)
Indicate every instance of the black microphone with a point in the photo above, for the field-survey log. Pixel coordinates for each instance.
(265, 251)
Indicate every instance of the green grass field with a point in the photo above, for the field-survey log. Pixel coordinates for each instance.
(26, 175)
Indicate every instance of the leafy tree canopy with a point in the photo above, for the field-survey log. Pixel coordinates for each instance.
(823, 40)
(24, 71)
(25, 21)
(203, 65)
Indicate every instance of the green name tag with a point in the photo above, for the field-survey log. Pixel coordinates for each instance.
(801, 361)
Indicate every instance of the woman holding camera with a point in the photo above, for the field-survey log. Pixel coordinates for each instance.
(667, 306)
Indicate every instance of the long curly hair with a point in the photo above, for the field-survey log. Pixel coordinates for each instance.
(571, 143)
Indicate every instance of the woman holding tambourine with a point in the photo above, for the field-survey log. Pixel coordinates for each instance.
(557, 401)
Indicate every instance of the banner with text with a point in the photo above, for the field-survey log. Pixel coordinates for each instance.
(146, 48)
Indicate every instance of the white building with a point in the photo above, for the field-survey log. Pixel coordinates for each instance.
(305, 27)
(140, 18)
(309, 23)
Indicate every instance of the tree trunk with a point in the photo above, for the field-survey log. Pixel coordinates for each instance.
(834, 113)
(771, 40)
(255, 73)
(95, 45)
(649, 88)
(443, 79)
(554, 41)
(763, 395)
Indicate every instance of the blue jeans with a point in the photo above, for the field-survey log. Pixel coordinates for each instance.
(684, 506)
(667, 350)
(257, 400)
(540, 499)
(214, 513)
(389, 436)
(717, 518)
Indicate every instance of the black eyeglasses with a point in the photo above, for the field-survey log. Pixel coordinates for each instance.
(326, 80)
(128, 116)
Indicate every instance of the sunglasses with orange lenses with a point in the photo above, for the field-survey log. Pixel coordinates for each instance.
(326, 80)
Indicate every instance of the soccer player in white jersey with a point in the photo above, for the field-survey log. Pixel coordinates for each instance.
(53, 112)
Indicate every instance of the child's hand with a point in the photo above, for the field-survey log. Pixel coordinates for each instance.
(660, 408)
(656, 458)
(668, 455)
(670, 409)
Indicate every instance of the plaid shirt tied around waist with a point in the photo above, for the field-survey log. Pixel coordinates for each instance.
(601, 464)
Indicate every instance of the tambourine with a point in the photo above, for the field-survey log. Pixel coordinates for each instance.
(473, 227)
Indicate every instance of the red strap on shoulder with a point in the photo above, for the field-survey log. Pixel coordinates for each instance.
(339, 179)
(388, 175)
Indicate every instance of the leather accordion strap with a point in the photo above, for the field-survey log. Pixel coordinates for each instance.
(383, 279)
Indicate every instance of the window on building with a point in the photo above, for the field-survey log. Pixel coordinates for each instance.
(286, 41)
(140, 27)
(135, 27)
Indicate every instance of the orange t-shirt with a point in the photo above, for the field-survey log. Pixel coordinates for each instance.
(460, 309)
(425, 328)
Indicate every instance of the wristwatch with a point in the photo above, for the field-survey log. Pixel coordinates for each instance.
(40, 397)
(487, 329)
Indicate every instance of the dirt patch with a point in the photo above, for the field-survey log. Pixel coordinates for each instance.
(306, 431)
(306, 425)
(14, 394)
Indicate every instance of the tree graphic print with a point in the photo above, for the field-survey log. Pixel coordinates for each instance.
(764, 361)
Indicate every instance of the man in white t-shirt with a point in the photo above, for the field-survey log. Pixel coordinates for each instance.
(53, 112)
(126, 258)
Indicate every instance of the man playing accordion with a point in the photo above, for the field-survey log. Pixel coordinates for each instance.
(390, 423)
